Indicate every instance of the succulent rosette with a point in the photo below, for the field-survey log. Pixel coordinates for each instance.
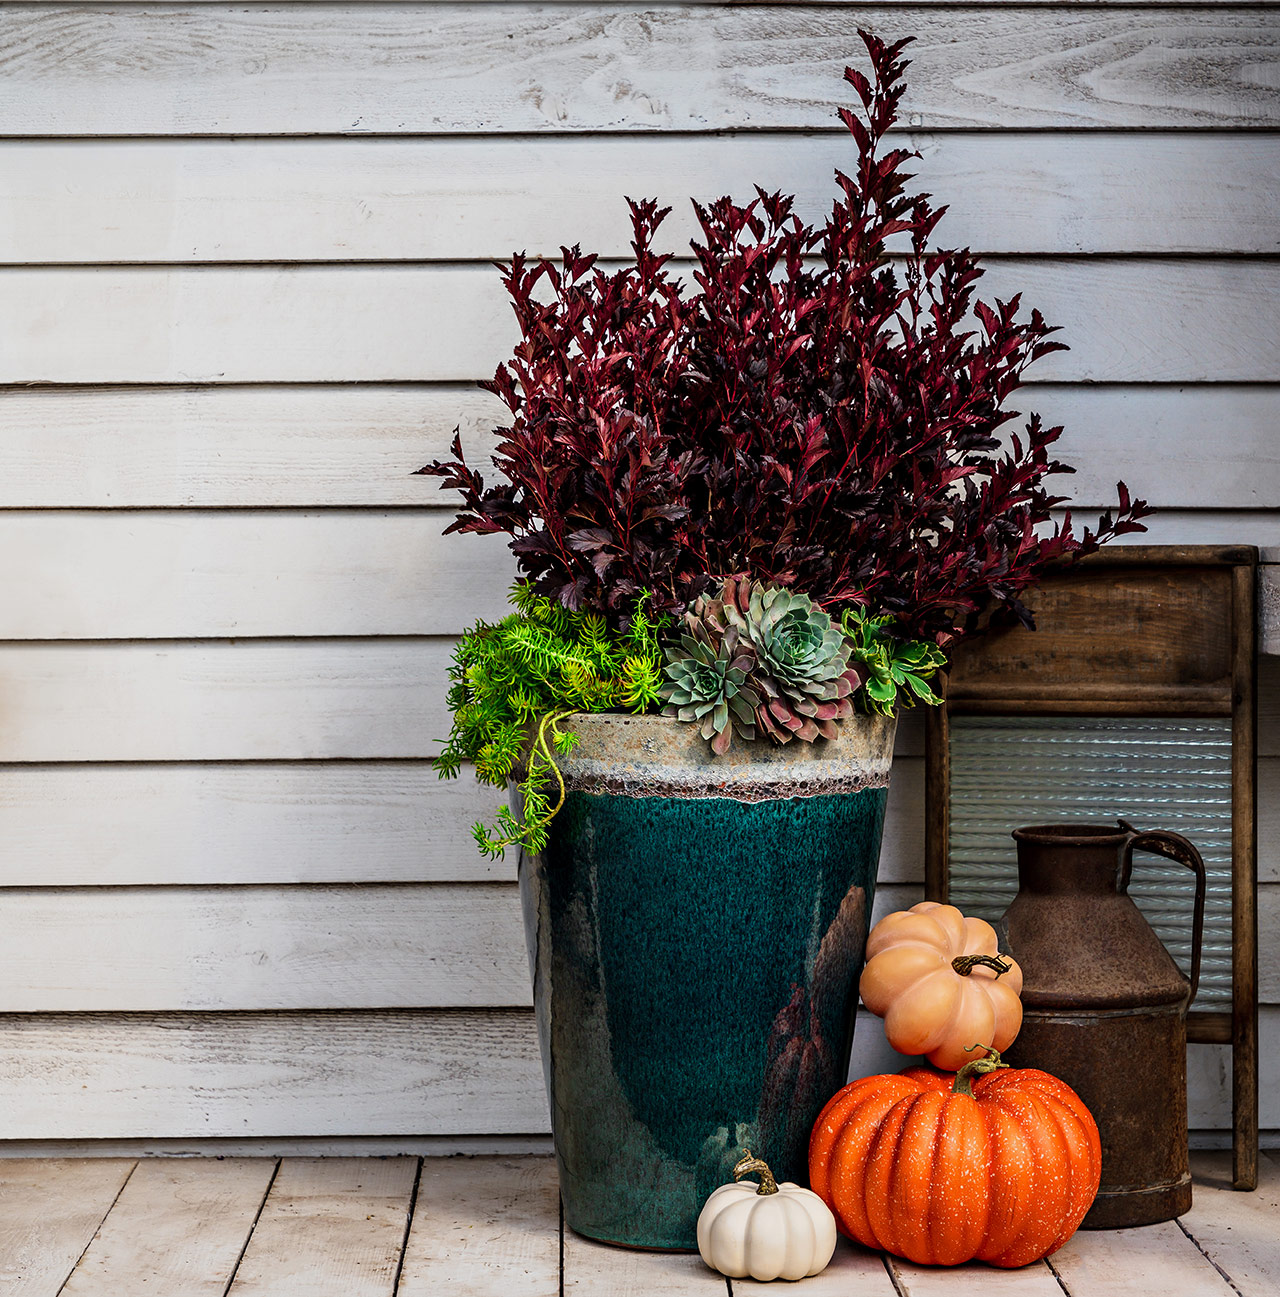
(802, 665)
(708, 670)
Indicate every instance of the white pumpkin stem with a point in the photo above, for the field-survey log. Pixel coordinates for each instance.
(965, 964)
(963, 1084)
(747, 1165)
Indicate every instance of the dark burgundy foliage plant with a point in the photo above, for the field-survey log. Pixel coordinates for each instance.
(819, 413)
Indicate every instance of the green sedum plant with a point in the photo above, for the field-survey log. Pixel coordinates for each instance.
(892, 668)
(512, 683)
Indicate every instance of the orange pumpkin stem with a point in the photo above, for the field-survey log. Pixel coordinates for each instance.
(748, 1164)
(965, 964)
(963, 1084)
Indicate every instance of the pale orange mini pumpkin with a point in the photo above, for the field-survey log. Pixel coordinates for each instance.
(939, 983)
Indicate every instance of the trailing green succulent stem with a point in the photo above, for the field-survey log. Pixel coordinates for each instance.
(513, 682)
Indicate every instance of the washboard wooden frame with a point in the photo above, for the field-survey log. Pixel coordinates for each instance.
(1153, 630)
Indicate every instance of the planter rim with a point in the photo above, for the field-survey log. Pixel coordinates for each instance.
(660, 756)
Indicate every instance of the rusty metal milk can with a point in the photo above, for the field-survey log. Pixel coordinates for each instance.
(1105, 1006)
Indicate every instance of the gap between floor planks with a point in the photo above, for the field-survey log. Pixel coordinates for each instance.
(491, 1226)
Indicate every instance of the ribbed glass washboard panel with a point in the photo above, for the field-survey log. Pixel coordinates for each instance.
(1007, 772)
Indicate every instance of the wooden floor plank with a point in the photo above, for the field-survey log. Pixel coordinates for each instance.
(484, 1227)
(1151, 1261)
(331, 1227)
(853, 1269)
(974, 1280)
(598, 1270)
(50, 1210)
(1239, 1232)
(177, 1229)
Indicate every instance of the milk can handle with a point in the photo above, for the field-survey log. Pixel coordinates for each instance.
(1173, 846)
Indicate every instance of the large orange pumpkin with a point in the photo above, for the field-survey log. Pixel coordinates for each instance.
(942, 1169)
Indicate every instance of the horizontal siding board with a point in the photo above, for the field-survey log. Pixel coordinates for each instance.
(252, 822)
(1269, 608)
(423, 1073)
(435, 1072)
(263, 700)
(307, 948)
(241, 948)
(464, 199)
(335, 445)
(319, 746)
(1259, 527)
(326, 444)
(1208, 447)
(275, 69)
(1125, 321)
(283, 700)
(192, 574)
(336, 822)
(292, 822)
(218, 700)
(203, 575)
(851, 5)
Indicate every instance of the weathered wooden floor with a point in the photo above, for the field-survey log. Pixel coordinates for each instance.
(367, 1227)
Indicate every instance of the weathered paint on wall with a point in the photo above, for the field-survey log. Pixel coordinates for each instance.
(243, 289)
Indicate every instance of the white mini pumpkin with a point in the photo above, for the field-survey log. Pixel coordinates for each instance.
(765, 1231)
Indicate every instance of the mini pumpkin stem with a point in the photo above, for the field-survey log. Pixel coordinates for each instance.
(965, 964)
(748, 1164)
(963, 1084)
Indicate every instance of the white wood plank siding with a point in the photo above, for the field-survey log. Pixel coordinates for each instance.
(461, 199)
(233, 948)
(214, 822)
(213, 701)
(355, 947)
(277, 573)
(246, 1075)
(366, 1073)
(203, 575)
(302, 822)
(358, 445)
(244, 292)
(442, 68)
(1127, 321)
(240, 446)
(259, 700)
(1269, 609)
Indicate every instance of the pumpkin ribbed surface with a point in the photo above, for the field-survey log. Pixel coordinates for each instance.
(930, 976)
(767, 1231)
(1004, 1175)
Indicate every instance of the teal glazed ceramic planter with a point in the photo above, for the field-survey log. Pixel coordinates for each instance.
(696, 931)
